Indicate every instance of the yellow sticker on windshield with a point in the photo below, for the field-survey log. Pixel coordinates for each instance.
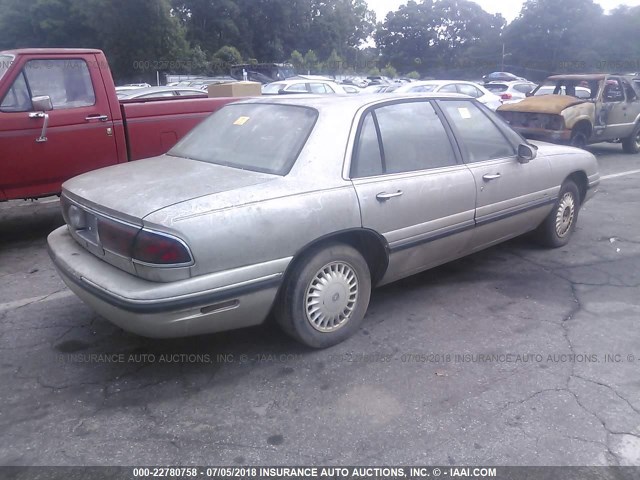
(241, 121)
(464, 112)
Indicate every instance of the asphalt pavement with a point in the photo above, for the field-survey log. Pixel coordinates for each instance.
(514, 356)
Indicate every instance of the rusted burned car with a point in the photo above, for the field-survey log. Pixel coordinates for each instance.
(581, 109)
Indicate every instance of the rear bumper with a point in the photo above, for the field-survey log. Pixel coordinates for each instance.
(207, 304)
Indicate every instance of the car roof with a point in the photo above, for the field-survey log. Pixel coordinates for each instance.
(347, 102)
(291, 81)
(509, 82)
(591, 76)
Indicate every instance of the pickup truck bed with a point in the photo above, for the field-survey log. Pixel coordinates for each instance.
(60, 117)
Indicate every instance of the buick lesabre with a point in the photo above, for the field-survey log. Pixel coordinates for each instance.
(300, 206)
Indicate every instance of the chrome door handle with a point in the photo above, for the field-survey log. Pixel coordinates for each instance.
(102, 118)
(384, 196)
(488, 178)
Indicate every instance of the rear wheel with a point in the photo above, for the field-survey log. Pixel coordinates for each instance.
(325, 296)
(631, 144)
(557, 228)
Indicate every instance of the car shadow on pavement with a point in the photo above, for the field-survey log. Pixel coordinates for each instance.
(24, 223)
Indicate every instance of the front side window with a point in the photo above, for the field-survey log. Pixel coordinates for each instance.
(298, 88)
(67, 82)
(613, 91)
(412, 138)
(5, 63)
(480, 137)
(17, 98)
(318, 88)
(252, 136)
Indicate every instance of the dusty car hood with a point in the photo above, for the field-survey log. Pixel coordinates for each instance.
(553, 104)
(134, 190)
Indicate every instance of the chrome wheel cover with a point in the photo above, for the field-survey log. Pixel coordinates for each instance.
(565, 214)
(331, 297)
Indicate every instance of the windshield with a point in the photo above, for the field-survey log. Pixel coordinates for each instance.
(5, 63)
(260, 137)
(576, 88)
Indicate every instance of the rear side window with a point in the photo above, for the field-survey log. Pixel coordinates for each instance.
(253, 136)
(523, 88)
(480, 137)
(412, 138)
(469, 90)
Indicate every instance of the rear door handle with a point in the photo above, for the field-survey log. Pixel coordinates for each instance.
(102, 118)
(384, 196)
(488, 178)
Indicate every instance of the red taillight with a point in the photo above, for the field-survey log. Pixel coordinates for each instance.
(158, 249)
(506, 96)
(117, 237)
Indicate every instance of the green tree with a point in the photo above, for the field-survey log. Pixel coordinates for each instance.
(334, 64)
(434, 34)
(389, 71)
(297, 60)
(545, 38)
(310, 62)
(413, 75)
(224, 58)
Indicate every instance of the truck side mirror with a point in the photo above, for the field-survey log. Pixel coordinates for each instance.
(526, 152)
(42, 103)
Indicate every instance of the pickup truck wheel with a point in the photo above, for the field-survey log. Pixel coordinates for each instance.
(631, 144)
(324, 298)
(557, 228)
(578, 139)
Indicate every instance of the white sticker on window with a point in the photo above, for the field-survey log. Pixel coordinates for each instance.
(464, 112)
(241, 121)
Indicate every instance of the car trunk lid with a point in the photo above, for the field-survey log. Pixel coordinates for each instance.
(134, 190)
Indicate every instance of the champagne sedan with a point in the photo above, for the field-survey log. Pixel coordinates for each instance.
(300, 205)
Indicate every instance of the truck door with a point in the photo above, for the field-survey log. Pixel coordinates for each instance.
(616, 110)
(42, 148)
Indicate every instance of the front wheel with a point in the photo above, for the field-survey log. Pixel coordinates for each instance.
(631, 144)
(578, 139)
(325, 296)
(557, 228)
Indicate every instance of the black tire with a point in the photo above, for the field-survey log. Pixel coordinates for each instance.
(631, 144)
(557, 228)
(578, 139)
(341, 303)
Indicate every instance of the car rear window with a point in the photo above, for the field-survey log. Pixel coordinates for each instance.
(496, 87)
(252, 136)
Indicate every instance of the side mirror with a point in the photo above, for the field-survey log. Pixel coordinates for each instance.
(528, 94)
(526, 152)
(42, 104)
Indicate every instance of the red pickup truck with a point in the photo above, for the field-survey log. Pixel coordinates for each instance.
(60, 117)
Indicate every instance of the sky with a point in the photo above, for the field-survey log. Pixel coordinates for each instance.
(508, 8)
